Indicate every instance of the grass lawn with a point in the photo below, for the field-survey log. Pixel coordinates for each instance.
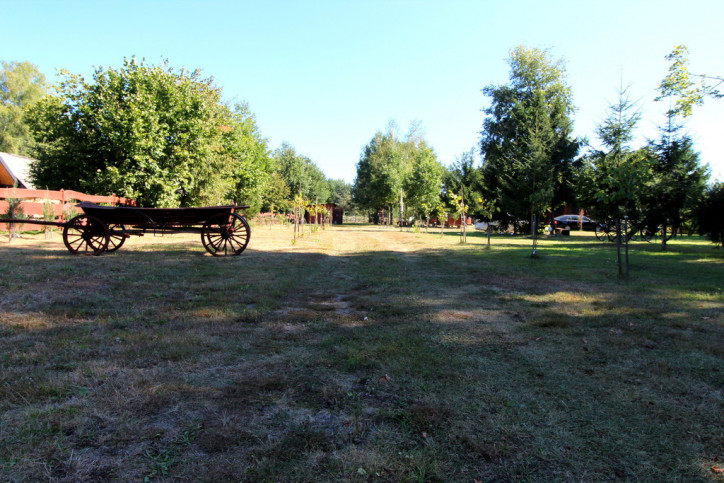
(361, 353)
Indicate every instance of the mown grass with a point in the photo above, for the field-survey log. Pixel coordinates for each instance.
(362, 353)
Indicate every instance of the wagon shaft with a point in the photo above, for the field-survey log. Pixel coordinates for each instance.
(31, 221)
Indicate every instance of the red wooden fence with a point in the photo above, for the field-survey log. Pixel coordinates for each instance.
(34, 200)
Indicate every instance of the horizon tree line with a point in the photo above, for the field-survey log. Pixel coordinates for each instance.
(166, 138)
(532, 165)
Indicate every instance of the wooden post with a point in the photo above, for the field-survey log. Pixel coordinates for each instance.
(62, 205)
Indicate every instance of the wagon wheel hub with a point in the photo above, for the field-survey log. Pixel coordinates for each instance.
(226, 232)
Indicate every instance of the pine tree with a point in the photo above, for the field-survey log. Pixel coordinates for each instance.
(527, 142)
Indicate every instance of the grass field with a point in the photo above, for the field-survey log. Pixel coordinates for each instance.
(361, 353)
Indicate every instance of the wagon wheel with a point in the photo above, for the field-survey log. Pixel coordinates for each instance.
(117, 237)
(657, 234)
(86, 234)
(601, 233)
(627, 230)
(225, 234)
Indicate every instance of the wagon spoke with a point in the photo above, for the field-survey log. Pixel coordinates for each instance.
(96, 240)
(241, 235)
(75, 239)
(238, 243)
(216, 241)
(234, 244)
(78, 245)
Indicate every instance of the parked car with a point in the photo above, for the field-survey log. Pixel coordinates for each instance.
(572, 222)
(483, 226)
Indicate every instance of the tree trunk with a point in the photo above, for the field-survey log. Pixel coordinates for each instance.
(534, 232)
(663, 237)
(402, 210)
(626, 247)
(618, 246)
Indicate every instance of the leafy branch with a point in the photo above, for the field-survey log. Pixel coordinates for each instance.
(689, 89)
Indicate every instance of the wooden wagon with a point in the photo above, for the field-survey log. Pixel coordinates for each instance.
(102, 229)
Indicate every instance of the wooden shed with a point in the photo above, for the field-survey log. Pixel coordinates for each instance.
(336, 213)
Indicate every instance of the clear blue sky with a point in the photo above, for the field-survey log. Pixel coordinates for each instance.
(326, 75)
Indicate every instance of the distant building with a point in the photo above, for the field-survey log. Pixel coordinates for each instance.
(336, 214)
(14, 170)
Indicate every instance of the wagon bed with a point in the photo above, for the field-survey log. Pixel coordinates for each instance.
(155, 217)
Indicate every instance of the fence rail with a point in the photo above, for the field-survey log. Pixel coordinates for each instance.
(34, 201)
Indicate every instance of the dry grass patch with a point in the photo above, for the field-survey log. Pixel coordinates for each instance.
(360, 353)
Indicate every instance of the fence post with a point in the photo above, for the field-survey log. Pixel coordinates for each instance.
(62, 205)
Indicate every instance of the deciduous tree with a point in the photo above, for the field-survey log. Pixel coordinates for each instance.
(393, 172)
(247, 166)
(340, 193)
(465, 176)
(151, 133)
(379, 180)
(301, 174)
(277, 197)
(21, 85)
(679, 179)
(423, 183)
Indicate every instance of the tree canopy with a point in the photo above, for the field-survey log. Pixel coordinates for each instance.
(301, 174)
(378, 183)
(398, 173)
(21, 85)
(688, 89)
(341, 194)
(151, 133)
(464, 176)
